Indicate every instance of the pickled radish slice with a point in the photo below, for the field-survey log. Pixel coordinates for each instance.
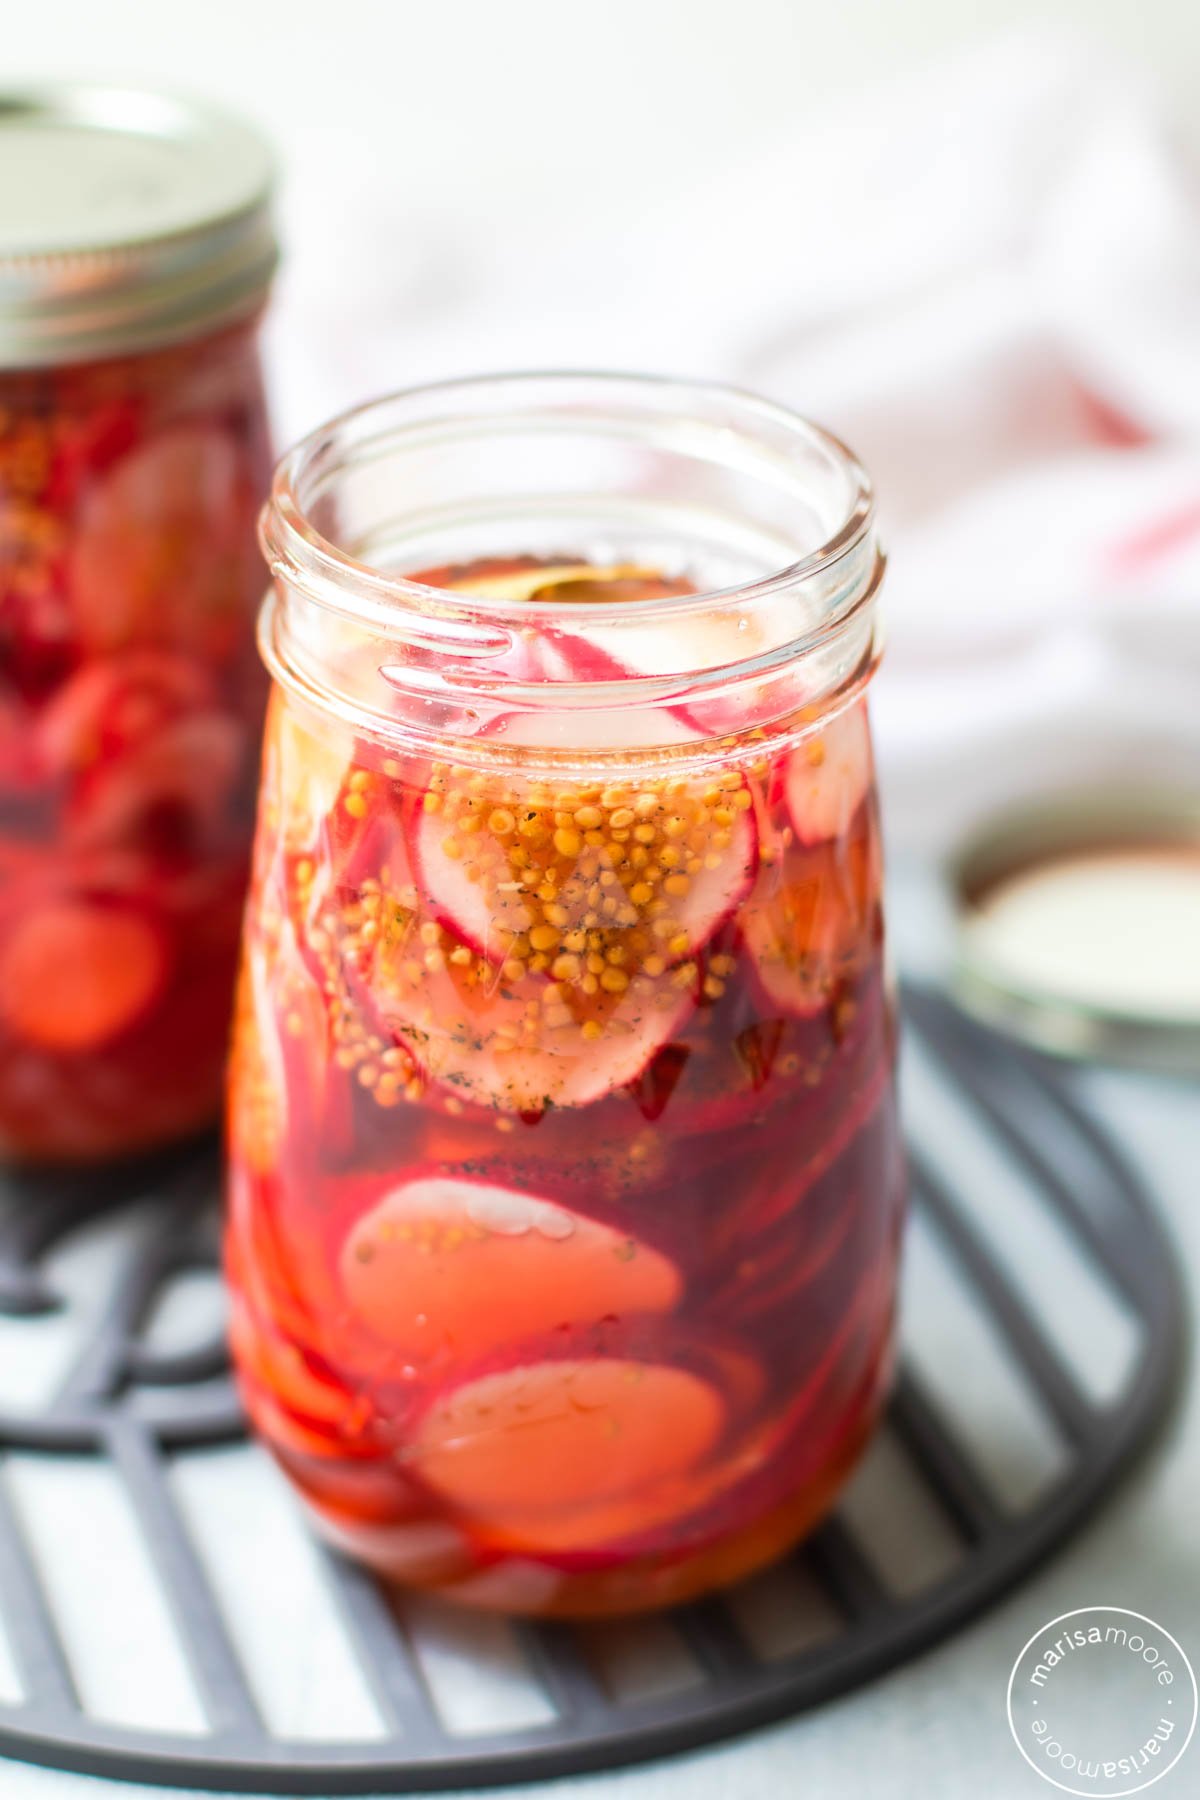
(358, 845)
(535, 654)
(282, 1371)
(814, 929)
(481, 855)
(685, 644)
(616, 584)
(302, 773)
(828, 776)
(482, 851)
(538, 654)
(548, 1021)
(594, 653)
(717, 891)
(74, 976)
(515, 1078)
(486, 919)
(573, 1451)
(171, 795)
(449, 1267)
(164, 549)
(374, 1497)
(257, 1111)
(111, 706)
(792, 965)
(584, 729)
(485, 1045)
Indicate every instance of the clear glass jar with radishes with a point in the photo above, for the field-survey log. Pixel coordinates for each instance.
(566, 1185)
(134, 456)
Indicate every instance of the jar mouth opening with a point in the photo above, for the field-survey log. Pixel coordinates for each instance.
(759, 437)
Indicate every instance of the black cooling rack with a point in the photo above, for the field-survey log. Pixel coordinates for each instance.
(140, 1409)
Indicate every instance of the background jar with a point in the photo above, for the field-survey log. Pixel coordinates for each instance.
(136, 252)
(566, 1189)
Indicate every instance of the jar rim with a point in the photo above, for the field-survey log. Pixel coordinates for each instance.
(299, 553)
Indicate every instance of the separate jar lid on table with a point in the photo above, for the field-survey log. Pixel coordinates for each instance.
(1078, 925)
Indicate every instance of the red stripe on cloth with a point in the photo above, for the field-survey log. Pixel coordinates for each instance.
(1161, 538)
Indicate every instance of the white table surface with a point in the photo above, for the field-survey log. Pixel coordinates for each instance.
(937, 1727)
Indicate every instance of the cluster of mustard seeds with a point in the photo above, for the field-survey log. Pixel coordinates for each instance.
(33, 532)
(585, 888)
(343, 941)
(582, 894)
(428, 1236)
(591, 884)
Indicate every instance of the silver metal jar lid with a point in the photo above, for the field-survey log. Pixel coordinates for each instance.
(1078, 926)
(128, 219)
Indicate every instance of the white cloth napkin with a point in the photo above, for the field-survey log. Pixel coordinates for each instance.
(986, 277)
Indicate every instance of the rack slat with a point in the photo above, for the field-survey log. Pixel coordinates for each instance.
(937, 1454)
(45, 1673)
(997, 1079)
(1026, 1340)
(711, 1633)
(556, 1658)
(384, 1654)
(216, 1669)
(845, 1573)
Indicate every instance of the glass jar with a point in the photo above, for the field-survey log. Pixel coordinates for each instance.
(566, 1184)
(134, 454)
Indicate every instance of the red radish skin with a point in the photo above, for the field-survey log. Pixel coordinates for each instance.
(562, 655)
(359, 846)
(683, 647)
(444, 1267)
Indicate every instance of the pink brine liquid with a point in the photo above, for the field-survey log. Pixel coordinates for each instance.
(566, 1185)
